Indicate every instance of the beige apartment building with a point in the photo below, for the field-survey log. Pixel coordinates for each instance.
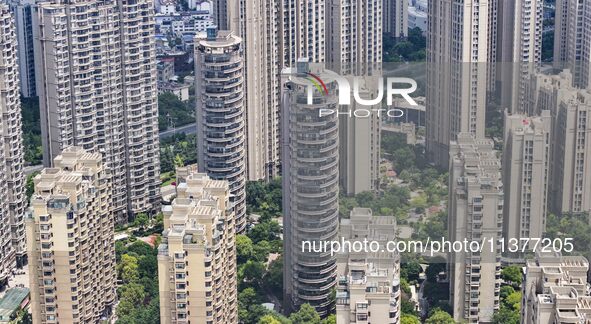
(197, 256)
(256, 22)
(461, 39)
(368, 289)
(526, 174)
(302, 31)
(475, 212)
(395, 17)
(570, 108)
(310, 162)
(572, 46)
(221, 135)
(12, 182)
(555, 290)
(96, 81)
(70, 241)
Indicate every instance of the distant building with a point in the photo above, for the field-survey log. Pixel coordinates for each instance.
(368, 289)
(22, 12)
(417, 18)
(165, 69)
(14, 299)
(70, 241)
(555, 290)
(180, 90)
(475, 212)
(177, 24)
(395, 17)
(197, 256)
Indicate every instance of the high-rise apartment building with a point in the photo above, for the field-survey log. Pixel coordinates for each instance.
(354, 36)
(310, 162)
(526, 174)
(23, 17)
(96, 80)
(256, 22)
(12, 182)
(359, 144)
(395, 17)
(221, 134)
(70, 241)
(520, 26)
(572, 46)
(555, 290)
(354, 50)
(571, 152)
(197, 256)
(368, 289)
(302, 31)
(475, 212)
(461, 39)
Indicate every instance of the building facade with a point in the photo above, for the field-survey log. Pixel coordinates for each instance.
(302, 27)
(526, 174)
(12, 180)
(461, 40)
(475, 212)
(520, 26)
(555, 290)
(107, 101)
(23, 17)
(221, 135)
(197, 256)
(70, 241)
(257, 23)
(310, 162)
(572, 47)
(368, 289)
(395, 18)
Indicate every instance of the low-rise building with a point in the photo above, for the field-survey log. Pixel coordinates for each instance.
(555, 290)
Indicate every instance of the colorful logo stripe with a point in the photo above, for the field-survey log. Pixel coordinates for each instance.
(318, 83)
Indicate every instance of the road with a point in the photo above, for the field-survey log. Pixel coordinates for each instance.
(187, 129)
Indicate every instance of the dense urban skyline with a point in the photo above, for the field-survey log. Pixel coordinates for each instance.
(252, 93)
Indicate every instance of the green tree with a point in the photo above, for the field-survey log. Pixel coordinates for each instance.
(141, 220)
(436, 266)
(440, 317)
(132, 292)
(244, 248)
(512, 274)
(30, 185)
(306, 315)
(269, 319)
(506, 291)
(409, 319)
(273, 279)
(331, 319)
(513, 301)
(128, 268)
(506, 316)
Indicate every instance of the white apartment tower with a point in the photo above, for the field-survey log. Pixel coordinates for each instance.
(368, 289)
(96, 80)
(197, 256)
(395, 17)
(555, 290)
(475, 212)
(12, 182)
(461, 39)
(23, 18)
(70, 241)
(310, 162)
(221, 135)
(526, 174)
(519, 49)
